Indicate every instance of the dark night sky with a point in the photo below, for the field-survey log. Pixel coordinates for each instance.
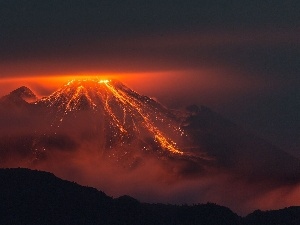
(242, 58)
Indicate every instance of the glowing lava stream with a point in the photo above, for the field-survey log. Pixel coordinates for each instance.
(165, 143)
(109, 110)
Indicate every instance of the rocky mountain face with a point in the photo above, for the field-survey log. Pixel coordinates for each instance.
(19, 96)
(100, 131)
(118, 123)
(121, 124)
(123, 117)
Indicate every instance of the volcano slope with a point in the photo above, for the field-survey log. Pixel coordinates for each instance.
(102, 133)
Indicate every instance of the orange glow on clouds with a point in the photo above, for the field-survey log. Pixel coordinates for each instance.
(44, 85)
(206, 86)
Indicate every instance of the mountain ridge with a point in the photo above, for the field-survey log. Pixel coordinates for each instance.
(19, 97)
(39, 197)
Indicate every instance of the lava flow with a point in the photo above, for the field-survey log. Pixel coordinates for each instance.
(128, 115)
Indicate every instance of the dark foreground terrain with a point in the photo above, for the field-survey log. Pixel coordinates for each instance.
(34, 197)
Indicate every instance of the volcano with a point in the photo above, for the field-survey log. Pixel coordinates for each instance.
(119, 123)
(91, 123)
(108, 117)
(125, 116)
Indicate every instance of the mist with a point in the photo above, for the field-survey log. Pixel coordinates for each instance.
(149, 179)
(156, 182)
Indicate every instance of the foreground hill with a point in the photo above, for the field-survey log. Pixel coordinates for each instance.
(34, 197)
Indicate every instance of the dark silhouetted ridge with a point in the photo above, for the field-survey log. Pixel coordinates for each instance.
(286, 216)
(35, 197)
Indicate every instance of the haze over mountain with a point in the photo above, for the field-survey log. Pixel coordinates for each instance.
(102, 133)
